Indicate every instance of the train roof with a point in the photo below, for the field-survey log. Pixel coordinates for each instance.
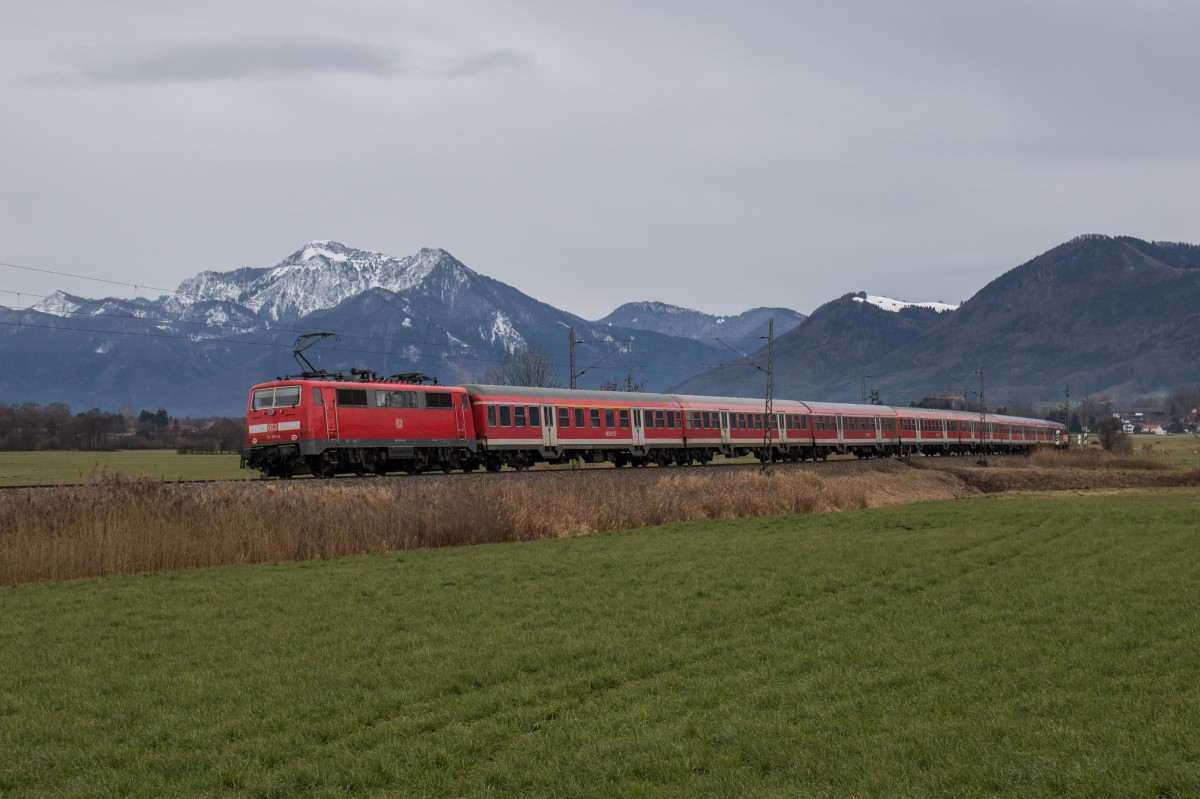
(562, 394)
(620, 397)
(849, 407)
(393, 385)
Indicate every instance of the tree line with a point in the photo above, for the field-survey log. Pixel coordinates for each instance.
(30, 427)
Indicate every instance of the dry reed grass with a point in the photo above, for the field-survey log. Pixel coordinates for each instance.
(121, 525)
(1076, 458)
(1094, 458)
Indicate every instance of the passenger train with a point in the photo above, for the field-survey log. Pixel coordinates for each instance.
(326, 425)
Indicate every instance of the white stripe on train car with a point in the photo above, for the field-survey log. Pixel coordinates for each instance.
(268, 428)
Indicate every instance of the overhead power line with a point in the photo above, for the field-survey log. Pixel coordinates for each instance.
(87, 277)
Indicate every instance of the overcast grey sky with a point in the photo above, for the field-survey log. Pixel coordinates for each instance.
(719, 156)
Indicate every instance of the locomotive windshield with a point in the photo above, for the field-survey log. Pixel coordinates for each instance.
(282, 397)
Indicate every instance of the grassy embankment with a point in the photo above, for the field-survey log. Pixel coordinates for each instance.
(73, 468)
(1036, 645)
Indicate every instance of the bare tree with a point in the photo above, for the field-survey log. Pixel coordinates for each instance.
(630, 384)
(528, 367)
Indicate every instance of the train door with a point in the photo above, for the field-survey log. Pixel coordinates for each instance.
(460, 416)
(781, 429)
(328, 402)
(638, 433)
(549, 431)
(725, 428)
(840, 432)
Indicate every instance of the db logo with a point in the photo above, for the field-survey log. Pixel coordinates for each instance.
(399, 424)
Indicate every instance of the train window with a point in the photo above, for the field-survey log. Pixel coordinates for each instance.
(564, 417)
(670, 418)
(623, 415)
(282, 397)
(648, 419)
(594, 414)
(438, 399)
(535, 416)
(660, 420)
(396, 399)
(352, 397)
(519, 416)
(758, 421)
(610, 418)
(491, 415)
(506, 416)
(287, 396)
(579, 418)
(317, 397)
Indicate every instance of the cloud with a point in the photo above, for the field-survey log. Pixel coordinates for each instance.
(258, 59)
(269, 59)
(487, 62)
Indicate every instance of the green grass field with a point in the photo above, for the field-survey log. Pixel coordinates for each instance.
(999, 646)
(1181, 450)
(69, 468)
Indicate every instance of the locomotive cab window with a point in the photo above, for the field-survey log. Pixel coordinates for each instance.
(281, 397)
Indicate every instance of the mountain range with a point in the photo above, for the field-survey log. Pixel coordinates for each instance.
(198, 351)
(1110, 316)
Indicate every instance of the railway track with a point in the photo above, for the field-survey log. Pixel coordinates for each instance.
(833, 466)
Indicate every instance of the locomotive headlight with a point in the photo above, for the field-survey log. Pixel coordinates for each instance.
(254, 441)
(294, 437)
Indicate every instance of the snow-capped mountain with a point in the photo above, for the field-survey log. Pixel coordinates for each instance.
(895, 306)
(322, 275)
(198, 350)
